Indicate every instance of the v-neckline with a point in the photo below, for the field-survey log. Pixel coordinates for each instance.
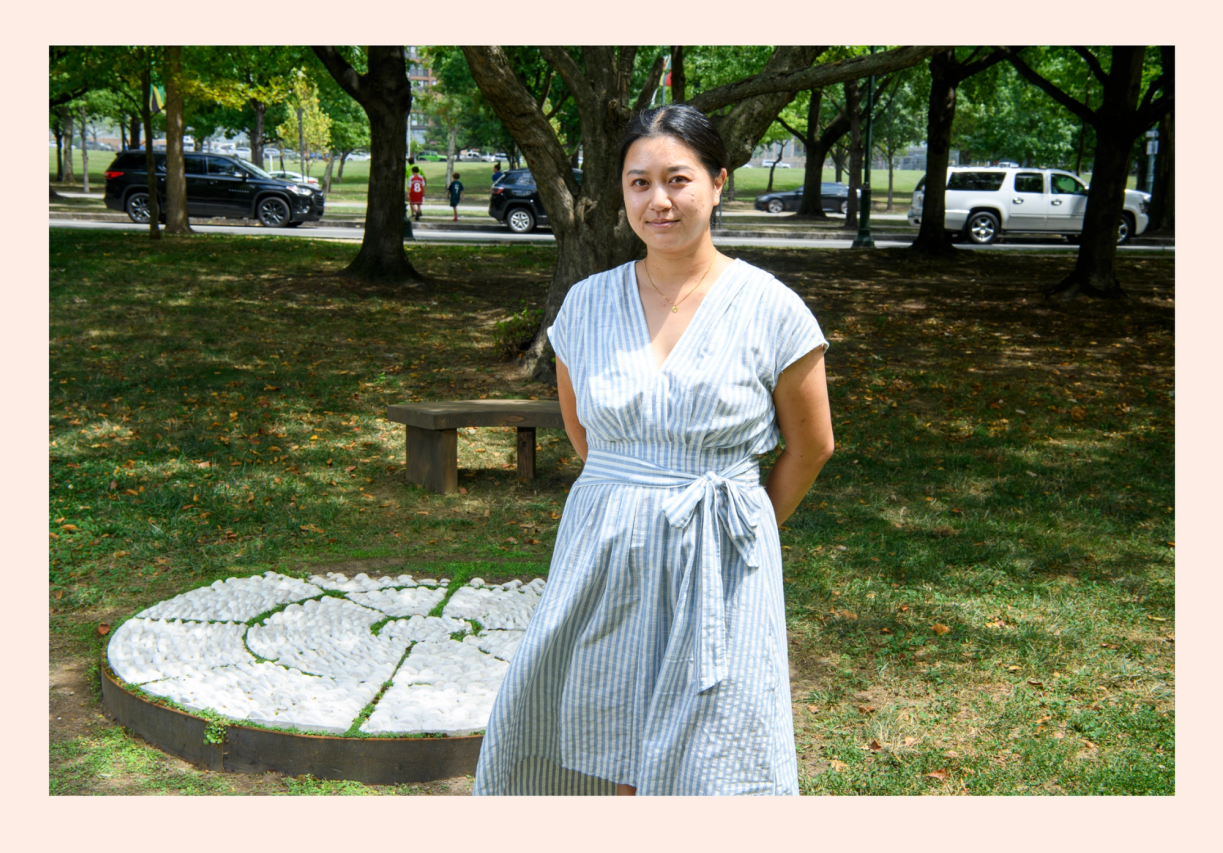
(635, 298)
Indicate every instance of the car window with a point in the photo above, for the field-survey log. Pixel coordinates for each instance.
(1067, 185)
(228, 168)
(1029, 182)
(194, 165)
(980, 181)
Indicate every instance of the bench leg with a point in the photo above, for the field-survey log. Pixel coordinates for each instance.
(526, 453)
(433, 458)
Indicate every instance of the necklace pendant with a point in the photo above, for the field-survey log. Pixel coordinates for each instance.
(674, 309)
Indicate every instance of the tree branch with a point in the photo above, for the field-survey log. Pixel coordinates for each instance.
(1153, 112)
(815, 77)
(1092, 63)
(1051, 89)
(570, 74)
(678, 80)
(651, 83)
(350, 81)
(968, 69)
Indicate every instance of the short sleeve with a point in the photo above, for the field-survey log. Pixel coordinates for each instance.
(798, 332)
(558, 332)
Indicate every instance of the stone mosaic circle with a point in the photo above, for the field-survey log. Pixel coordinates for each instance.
(328, 648)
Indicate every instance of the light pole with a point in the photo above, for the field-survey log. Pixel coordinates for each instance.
(863, 240)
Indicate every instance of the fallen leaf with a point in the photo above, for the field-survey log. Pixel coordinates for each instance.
(812, 708)
(909, 741)
(847, 614)
(462, 490)
(1012, 669)
(838, 766)
(1036, 683)
(940, 629)
(1156, 618)
(68, 527)
(103, 629)
(940, 775)
(59, 593)
(904, 608)
(1078, 413)
(866, 709)
(874, 746)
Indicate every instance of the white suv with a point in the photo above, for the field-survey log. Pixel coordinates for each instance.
(984, 202)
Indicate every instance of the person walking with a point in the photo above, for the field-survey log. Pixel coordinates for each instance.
(497, 173)
(455, 191)
(656, 661)
(416, 191)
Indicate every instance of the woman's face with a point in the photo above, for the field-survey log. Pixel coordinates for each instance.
(668, 194)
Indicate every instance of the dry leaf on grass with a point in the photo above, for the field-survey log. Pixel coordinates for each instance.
(940, 629)
(940, 775)
(838, 766)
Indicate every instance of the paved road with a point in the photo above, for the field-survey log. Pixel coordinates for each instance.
(437, 236)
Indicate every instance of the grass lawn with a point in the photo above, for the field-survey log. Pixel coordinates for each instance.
(980, 587)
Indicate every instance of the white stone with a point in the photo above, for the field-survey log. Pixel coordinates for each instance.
(494, 607)
(328, 636)
(144, 650)
(235, 599)
(400, 602)
(499, 644)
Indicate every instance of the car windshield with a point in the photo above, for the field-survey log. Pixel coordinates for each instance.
(255, 170)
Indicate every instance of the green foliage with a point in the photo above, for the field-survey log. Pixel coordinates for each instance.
(516, 330)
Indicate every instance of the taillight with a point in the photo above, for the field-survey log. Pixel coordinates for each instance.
(110, 176)
(496, 190)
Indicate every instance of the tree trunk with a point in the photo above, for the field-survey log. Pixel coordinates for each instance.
(339, 175)
(65, 119)
(1163, 195)
(730, 185)
(256, 132)
(855, 152)
(150, 164)
(176, 176)
(133, 135)
(1095, 268)
(817, 153)
(327, 173)
(451, 137)
(385, 93)
(891, 178)
(1141, 164)
(84, 152)
(932, 239)
(59, 150)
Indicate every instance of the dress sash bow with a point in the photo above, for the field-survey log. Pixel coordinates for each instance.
(714, 499)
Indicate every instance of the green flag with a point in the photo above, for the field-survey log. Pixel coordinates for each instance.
(157, 99)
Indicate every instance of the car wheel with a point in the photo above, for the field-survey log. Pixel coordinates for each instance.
(520, 221)
(273, 212)
(776, 205)
(1125, 229)
(138, 208)
(845, 208)
(982, 228)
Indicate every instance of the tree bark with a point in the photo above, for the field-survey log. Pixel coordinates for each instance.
(256, 132)
(150, 163)
(1162, 212)
(59, 150)
(331, 158)
(68, 125)
(813, 172)
(176, 176)
(385, 93)
(339, 176)
(84, 152)
(932, 238)
(679, 81)
(133, 134)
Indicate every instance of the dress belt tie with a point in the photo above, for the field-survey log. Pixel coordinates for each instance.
(714, 498)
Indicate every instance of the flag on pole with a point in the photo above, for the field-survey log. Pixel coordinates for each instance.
(157, 99)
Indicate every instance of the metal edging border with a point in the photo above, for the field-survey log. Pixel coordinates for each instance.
(373, 761)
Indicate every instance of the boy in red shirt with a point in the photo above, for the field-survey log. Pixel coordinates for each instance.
(416, 191)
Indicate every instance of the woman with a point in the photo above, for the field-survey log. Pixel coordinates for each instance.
(656, 661)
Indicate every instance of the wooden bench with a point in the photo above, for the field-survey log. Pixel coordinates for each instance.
(432, 442)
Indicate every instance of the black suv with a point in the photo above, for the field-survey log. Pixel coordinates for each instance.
(218, 185)
(515, 201)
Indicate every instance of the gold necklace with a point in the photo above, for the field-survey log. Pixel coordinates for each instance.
(675, 305)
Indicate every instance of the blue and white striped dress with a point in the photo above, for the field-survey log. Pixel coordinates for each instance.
(657, 655)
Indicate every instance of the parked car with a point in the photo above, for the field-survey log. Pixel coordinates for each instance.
(295, 177)
(218, 185)
(985, 202)
(765, 164)
(500, 157)
(515, 203)
(471, 156)
(834, 198)
(430, 157)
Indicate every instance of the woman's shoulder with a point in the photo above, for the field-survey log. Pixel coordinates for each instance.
(765, 289)
(597, 285)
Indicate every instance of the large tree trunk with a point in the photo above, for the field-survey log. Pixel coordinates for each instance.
(932, 238)
(133, 134)
(813, 170)
(256, 132)
(385, 93)
(855, 152)
(176, 176)
(84, 152)
(150, 164)
(65, 120)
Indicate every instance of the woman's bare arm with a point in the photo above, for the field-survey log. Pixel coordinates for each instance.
(569, 410)
(805, 421)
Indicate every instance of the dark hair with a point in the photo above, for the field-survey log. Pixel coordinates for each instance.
(687, 124)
